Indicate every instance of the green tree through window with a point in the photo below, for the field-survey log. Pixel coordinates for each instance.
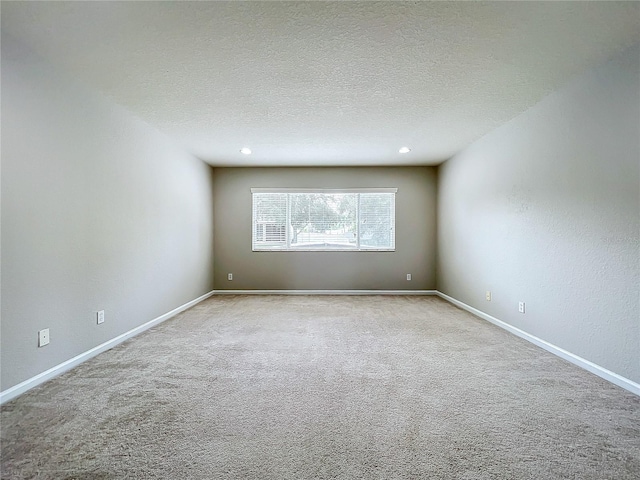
(324, 220)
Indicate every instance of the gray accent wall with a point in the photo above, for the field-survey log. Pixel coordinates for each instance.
(545, 210)
(415, 233)
(99, 212)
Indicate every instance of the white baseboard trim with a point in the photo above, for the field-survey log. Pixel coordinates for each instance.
(19, 389)
(32, 382)
(325, 292)
(608, 375)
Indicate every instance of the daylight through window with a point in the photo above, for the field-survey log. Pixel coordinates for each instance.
(314, 219)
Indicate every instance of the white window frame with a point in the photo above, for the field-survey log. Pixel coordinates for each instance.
(287, 245)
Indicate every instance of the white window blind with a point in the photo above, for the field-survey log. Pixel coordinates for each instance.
(321, 219)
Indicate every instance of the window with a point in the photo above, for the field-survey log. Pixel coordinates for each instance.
(361, 219)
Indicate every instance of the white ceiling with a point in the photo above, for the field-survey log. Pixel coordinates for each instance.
(324, 83)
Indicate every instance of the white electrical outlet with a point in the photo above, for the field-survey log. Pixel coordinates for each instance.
(488, 295)
(229, 276)
(408, 276)
(521, 307)
(100, 317)
(43, 337)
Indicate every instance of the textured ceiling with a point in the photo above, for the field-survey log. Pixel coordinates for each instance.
(324, 83)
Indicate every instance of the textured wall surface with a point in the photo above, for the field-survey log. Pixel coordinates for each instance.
(415, 233)
(546, 210)
(99, 211)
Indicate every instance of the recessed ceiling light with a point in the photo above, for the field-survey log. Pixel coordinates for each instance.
(245, 150)
(404, 150)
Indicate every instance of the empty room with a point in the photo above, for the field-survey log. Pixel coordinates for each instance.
(330, 240)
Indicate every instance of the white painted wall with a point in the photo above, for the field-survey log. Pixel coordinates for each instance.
(546, 210)
(99, 211)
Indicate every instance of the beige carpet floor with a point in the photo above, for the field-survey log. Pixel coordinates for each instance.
(324, 387)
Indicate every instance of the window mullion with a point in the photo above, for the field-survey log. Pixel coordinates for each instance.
(357, 221)
(288, 221)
